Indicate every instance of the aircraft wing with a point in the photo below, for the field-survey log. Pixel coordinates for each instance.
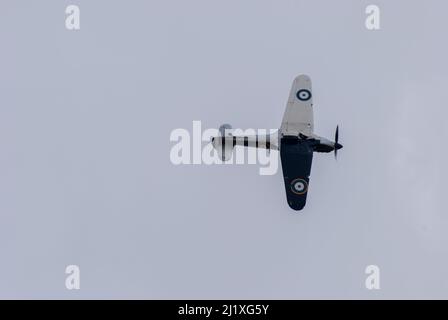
(296, 164)
(298, 117)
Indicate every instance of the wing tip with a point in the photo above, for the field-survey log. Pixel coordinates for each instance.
(296, 206)
(303, 77)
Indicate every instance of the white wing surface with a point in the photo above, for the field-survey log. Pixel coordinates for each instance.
(298, 117)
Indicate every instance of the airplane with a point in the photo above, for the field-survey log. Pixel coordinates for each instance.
(295, 140)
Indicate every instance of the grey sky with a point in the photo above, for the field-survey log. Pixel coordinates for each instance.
(85, 175)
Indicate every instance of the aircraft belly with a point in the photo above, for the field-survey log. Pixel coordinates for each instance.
(296, 157)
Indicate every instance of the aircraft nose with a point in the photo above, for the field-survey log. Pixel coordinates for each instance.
(338, 146)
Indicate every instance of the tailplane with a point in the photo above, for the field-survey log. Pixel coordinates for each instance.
(224, 143)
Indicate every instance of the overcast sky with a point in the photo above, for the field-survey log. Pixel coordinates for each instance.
(86, 177)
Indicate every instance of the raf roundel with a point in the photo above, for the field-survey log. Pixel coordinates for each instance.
(303, 95)
(299, 186)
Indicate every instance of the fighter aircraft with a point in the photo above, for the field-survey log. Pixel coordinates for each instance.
(295, 139)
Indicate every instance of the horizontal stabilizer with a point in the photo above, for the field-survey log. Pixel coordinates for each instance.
(224, 147)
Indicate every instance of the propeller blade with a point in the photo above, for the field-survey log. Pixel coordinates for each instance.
(336, 138)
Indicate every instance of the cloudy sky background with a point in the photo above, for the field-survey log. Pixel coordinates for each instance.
(85, 174)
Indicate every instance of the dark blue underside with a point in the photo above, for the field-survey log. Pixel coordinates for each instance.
(296, 157)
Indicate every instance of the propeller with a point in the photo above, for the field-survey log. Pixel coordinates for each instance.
(337, 146)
